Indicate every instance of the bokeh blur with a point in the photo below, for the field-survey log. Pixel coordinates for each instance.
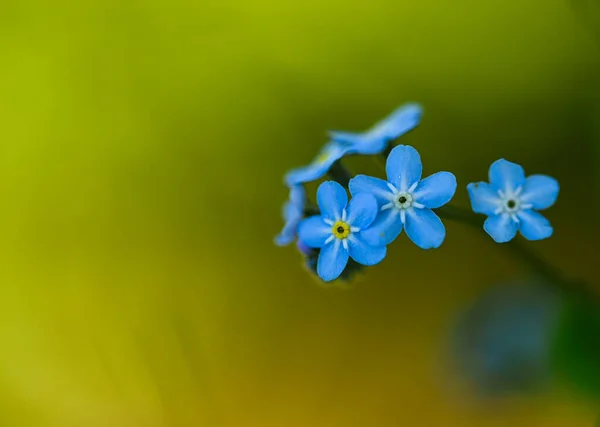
(141, 163)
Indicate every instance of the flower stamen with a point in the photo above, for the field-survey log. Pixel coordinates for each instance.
(341, 230)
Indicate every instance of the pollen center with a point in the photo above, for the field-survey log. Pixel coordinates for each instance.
(404, 200)
(511, 204)
(341, 230)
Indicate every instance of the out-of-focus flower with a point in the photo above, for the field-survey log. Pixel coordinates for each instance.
(405, 201)
(293, 212)
(376, 139)
(331, 153)
(510, 200)
(337, 232)
(503, 342)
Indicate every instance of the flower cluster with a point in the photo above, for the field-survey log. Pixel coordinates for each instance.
(340, 234)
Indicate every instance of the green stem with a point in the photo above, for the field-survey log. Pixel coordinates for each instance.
(537, 264)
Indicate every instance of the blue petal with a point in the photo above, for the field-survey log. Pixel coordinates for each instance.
(385, 229)
(349, 139)
(298, 196)
(293, 212)
(484, 199)
(360, 143)
(500, 227)
(506, 176)
(362, 210)
(400, 121)
(376, 139)
(424, 228)
(332, 200)
(375, 186)
(533, 226)
(436, 190)
(330, 154)
(363, 253)
(292, 218)
(404, 167)
(332, 260)
(313, 231)
(541, 191)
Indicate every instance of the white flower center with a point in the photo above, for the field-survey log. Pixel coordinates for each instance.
(510, 203)
(402, 201)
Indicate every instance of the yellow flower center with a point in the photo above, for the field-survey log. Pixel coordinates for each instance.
(341, 230)
(323, 157)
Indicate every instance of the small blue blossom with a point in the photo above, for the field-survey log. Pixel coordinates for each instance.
(510, 201)
(405, 201)
(503, 342)
(293, 212)
(377, 138)
(338, 231)
(331, 153)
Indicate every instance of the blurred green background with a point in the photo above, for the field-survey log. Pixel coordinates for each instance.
(141, 163)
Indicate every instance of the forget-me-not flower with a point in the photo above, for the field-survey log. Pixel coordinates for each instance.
(510, 200)
(405, 201)
(293, 212)
(504, 341)
(377, 138)
(338, 231)
(331, 153)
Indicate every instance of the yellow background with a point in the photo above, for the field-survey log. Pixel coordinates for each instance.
(143, 145)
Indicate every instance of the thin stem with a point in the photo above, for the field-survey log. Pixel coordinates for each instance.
(538, 264)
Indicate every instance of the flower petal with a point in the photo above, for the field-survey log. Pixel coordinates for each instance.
(375, 186)
(349, 139)
(541, 191)
(400, 121)
(500, 227)
(385, 229)
(376, 139)
(425, 228)
(484, 199)
(330, 154)
(363, 253)
(534, 226)
(298, 196)
(362, 210)
(293, 212)
(404, 167)
(313, 231)
(292, 218)
(332, 200)
(506, 176)
(436, 190)
(332, 260)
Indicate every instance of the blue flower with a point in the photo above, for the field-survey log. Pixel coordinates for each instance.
(510, 200)
(331, 153)
(405, 201)
(293, 212)
(503, 342)
(376, 139)
(338, 231)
